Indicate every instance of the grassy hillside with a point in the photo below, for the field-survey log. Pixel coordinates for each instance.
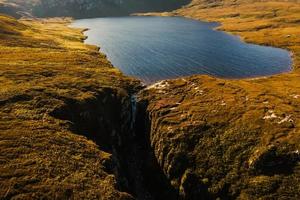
(232, 138)
(84, 8)
(47, 75)
(227, 139)
(65, 117)
(92, 8)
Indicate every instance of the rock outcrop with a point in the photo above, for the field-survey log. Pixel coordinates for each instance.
(68, 120)
(54, 91)
(70, 126)
(232, 139)
(225, 139)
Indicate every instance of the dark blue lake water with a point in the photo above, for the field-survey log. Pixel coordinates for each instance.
(156, 48)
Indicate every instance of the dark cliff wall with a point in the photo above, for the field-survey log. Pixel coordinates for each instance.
(113, 121)
(101, 8)
(219, 141)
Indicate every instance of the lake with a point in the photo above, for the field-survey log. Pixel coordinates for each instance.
(157, 48)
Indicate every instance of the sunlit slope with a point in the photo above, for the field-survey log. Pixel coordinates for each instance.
(44, 67)
(232, 139)
(227, 139)
(212, 138)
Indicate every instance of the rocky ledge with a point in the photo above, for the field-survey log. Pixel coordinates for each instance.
(62, 110)
(225, 139)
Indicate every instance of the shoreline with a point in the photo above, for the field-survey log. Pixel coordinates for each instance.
(291, 53)
(219, 24)
(67, 113)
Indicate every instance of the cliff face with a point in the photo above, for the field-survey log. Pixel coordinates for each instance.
(95, 8)
(68, 120)
(226, 139)
(85, 8)
(69, 126)
(54, 91)
(232, 138)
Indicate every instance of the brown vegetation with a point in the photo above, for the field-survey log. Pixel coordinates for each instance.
(44, 70)
(212, 138)
(232, 138)
(228, 139)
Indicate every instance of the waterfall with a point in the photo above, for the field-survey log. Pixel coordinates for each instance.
(133, 111)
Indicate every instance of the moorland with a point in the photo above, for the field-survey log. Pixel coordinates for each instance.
(69, 128)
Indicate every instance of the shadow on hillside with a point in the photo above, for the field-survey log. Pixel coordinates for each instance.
(92, 9)
(106, 120)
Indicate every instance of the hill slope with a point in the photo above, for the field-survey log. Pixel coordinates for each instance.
(48, 75)
(196, 137)
(232, 139)
(86, 8)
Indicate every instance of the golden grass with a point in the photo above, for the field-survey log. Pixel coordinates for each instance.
(221, 132)
(43, 66)
(236, 137)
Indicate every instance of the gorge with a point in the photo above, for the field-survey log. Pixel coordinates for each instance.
(72, 126)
